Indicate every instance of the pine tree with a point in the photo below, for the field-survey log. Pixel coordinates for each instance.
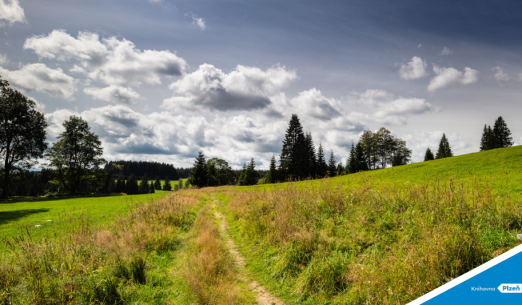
(167, 186)
(351, 162)
(322, 168)
(502, 134)
(157, 183)
(199, 171)
(444, 148)
(151, 188)
(428, 155)
(294, 160)
(332, 169)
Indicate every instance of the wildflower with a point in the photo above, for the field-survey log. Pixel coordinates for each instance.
(37, 226)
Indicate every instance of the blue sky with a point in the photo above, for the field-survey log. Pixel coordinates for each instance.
(159, 80)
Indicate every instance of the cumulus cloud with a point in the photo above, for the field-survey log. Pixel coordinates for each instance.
(41, 78)
(11, 11)
(245, 88)
(316, 105)
(114, 94)
(419, 140)
(450, 76)
(112, 61)
(500, 75)
(414, 69)
(3, 59)
(393, 111)
(446, 51)
(197, 21)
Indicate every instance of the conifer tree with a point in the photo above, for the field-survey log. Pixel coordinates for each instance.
(502, 134)
(444, 148)
(212, 179)
(132, 186)
(294, 159)
(252, 175)
(144, 185)
(151, 188)
(199, 171)
(176, 187)
(180, 183)
(340, 169)
(322, 168)
(351, 163)
(312, 172)
(271, 176)
(242, 180)
(187, 184)
(360, 158)
(167, 186)
(157, 184)
(428, 155)
(332, 168)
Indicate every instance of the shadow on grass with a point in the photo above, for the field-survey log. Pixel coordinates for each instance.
(9, 216)
(43, 199)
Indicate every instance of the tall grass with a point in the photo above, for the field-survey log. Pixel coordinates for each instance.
(88, 265)
(211, 274)
(375, 243)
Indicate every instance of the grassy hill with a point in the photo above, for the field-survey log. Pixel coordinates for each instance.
(379, 237)
(383, 236)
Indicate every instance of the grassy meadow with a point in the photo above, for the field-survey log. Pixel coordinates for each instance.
(380, 237)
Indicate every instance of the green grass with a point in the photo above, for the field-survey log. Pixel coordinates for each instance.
(44, 217)
(385, 236)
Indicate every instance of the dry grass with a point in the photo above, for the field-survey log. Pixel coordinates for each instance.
(375, 244)
(210, 272)
(91, 266)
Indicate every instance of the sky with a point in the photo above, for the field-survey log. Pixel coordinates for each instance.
(158, 80)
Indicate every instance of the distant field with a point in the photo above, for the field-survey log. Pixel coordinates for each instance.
(44, 217)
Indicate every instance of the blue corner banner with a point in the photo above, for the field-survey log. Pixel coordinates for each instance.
(498, 281)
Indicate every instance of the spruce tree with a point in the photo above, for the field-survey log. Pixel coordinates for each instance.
(199, 171)
(332, 168)
(312, 172)
(157, 184)
(444, 148)
(351, 163)
(242, 180)
(428, 155)
(132, 186)
(273, 170)
(322, 168)
(212, 176)
(144, 185)
(360, 158)
(151, 188)
(502, 134)
(294, 160)
(167, 186)
(340, 169)
(252, 175)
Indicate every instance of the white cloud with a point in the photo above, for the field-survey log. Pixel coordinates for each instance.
(112, 61)
(244, 88)
(38, 106)
(393, 111)
(419, 140)
(446, 51)
(3, 59)
(197, 21)
(11, 11)
(316, 105)
(114, 94)
(500, 75)
(414, 69)
(451, 76)
(420, 45)
(39, 77)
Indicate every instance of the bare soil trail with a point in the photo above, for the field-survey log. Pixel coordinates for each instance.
(263, 296)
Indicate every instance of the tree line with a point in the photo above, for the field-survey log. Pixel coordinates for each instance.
(152, 169)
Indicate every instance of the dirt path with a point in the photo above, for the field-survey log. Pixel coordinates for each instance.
(263, 296)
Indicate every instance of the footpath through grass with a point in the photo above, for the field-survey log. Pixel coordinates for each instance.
(380, 237)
